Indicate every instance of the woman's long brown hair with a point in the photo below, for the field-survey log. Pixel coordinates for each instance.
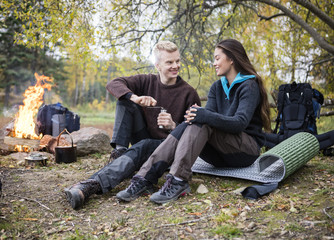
(235, 51)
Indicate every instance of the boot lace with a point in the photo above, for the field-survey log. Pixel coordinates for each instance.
(137, 183)
(167, 188)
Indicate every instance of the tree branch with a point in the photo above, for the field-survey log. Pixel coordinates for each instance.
(271, 17)
(261, 16)
(317, 37)
(320, 14)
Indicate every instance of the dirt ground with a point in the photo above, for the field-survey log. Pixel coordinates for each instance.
(33, 206)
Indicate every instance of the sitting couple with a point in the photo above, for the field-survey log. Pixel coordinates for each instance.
(226, 133)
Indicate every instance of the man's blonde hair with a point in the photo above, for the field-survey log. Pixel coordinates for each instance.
(163, 46)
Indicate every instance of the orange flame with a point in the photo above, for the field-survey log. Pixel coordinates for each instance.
(24, 125)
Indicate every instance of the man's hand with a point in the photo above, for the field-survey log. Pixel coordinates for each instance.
(165, 120)
(144, 101)
(191, 113)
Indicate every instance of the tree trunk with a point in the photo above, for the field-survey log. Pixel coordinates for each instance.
(7, 95)
(76, 94)
(108, 79)
(83, 94)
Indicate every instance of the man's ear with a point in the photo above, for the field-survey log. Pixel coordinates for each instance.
(157, 66)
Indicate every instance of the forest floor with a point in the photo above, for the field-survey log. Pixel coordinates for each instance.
(33, 206)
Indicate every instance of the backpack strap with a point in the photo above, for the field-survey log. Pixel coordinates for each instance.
(280, 103)
(308, 100)
(309, 105)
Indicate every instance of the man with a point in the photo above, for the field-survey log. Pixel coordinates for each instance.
(139, 120)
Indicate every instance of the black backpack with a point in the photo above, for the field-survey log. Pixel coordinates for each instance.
(45, 116)
(298, 106)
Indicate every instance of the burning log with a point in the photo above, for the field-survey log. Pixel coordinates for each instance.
(22, 135)
(33, 143)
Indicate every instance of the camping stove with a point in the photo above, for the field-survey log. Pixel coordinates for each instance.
(36, 159)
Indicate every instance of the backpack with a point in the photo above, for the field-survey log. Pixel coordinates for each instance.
(298, 106)
(53, 118)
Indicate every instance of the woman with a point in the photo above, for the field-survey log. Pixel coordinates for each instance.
(226, 133)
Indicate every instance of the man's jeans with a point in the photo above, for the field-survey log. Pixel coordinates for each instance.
(130, 125)
(125, 166)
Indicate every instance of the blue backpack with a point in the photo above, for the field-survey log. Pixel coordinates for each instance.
(298, 106)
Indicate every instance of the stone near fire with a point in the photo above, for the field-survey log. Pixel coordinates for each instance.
(19, 157)
(4, 148)
(90, 140)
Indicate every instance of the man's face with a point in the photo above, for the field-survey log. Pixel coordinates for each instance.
(168, 64)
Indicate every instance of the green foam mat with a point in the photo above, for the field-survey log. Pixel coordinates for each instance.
(274, 165)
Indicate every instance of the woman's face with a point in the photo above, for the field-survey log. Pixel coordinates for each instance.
(222, 63)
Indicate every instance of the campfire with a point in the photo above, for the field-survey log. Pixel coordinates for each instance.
(23, 135)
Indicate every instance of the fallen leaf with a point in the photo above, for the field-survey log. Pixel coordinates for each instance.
(196, 213)
(243, 214)
(208, 202)
(292, 207)
(282, 206)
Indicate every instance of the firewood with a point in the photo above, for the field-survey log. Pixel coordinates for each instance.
(34, 143)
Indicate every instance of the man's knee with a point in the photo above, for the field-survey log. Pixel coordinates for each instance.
(127, 104)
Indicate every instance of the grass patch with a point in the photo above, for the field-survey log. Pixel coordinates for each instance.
(294, 228)
(97, 118)
(5, 225)
(325, 124)
(274, 219)
(222, 217)
(227, 230)
(175, 220)
(193, 208)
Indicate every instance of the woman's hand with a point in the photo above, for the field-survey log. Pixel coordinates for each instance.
(191, 113)
(165, 120)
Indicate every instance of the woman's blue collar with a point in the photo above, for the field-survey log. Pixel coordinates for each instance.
(238, 79)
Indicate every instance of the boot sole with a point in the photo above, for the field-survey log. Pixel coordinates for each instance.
(75, 198)
(184, 192)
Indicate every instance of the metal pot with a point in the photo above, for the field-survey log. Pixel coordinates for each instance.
(65, 154)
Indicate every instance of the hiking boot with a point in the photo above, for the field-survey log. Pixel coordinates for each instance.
(171, 190)
(116, 153)
(328, 152)
(138, 186)
(79, 193)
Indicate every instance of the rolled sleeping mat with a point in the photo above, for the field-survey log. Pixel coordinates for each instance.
(272, 166)
(287, 157)
(295, 151)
